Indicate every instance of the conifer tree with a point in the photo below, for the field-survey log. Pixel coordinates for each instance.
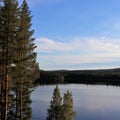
(24, 63)
(17, 61)
(55, 110)
(59, 110)
(8, 22)
(68, 112)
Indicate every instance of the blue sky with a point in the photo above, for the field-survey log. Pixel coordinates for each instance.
(76, 34)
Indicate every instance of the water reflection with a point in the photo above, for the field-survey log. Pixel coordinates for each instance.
(90, 102)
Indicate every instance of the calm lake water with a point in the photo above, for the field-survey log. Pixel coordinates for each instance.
(91, 102)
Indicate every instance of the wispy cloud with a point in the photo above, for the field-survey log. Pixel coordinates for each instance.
(84, 44)
(48, 45)
(79, 51)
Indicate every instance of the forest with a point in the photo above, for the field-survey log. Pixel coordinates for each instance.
(18, 66)
(107, 77)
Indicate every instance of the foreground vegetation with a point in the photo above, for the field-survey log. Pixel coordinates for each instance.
(61, 110)
(18, 67)
(108, 77)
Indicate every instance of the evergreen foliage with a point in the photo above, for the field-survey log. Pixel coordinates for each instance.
(8, 24)
(18, 67)
(68, 112)
(59, 110)
(55, 110)
(106, 77)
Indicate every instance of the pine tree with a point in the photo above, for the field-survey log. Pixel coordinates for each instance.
(68, 112)
(24, 63)
(17, 61)
(55, 110)
(8, 22)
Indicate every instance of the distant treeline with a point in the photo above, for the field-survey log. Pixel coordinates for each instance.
(108, 77)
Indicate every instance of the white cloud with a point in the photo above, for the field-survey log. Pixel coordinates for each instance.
(106, 45)
(78, 59)
(48, 45)
(78, 51)
(87, 44)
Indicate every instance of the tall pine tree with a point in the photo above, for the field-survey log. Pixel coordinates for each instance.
(8, 22)
(24, 63)
(17, 61)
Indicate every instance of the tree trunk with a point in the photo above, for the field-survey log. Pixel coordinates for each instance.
(16, 103)
(6, 95)
(0, 91)
(6, 81)
(21, 90)
(20, 99)
(2, 94)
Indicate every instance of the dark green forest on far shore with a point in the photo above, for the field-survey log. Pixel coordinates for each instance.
(107, 77)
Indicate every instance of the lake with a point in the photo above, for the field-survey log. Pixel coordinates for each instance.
(91, 102)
